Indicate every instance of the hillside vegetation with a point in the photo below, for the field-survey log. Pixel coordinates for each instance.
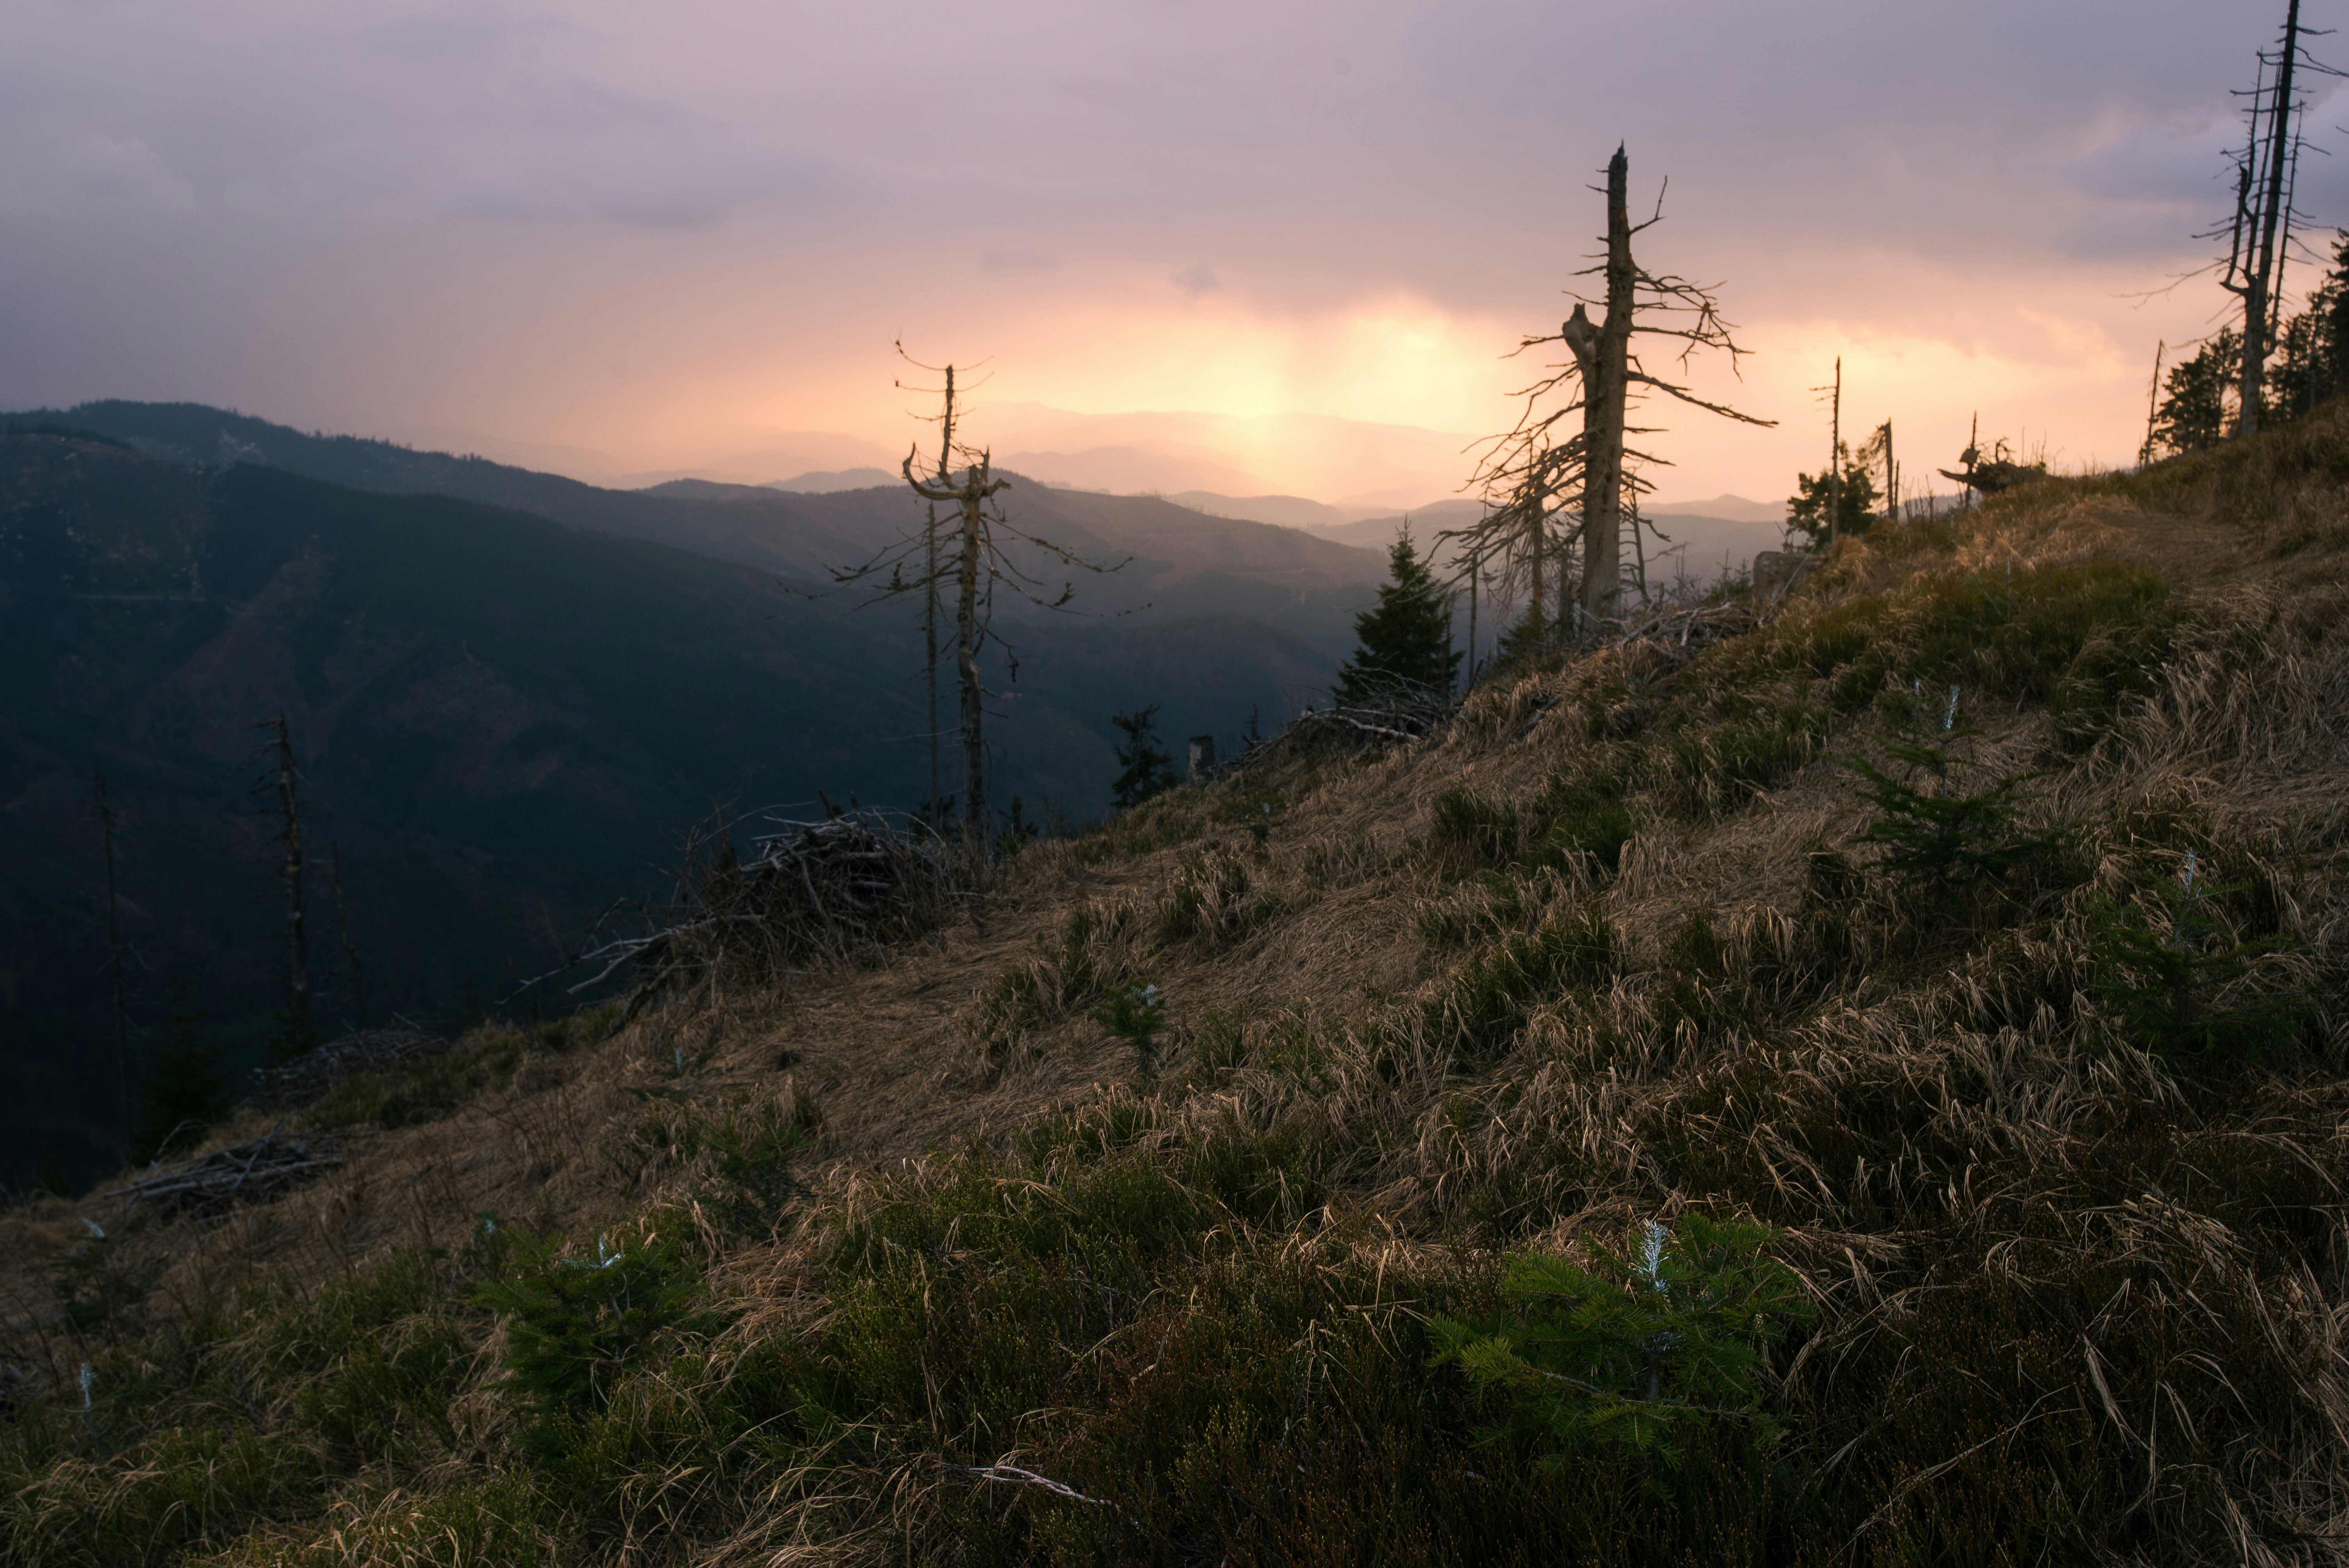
(1869, 1091)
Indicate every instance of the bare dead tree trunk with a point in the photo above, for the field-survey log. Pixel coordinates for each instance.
(973, 694)
(343, 925)
(1892, 479)
(1606, 387)
(980, 567)
(1834, 457)
(114, 954)
(930, 641)
(2152, 405)
(1639, 552)
(971, 495)
(2260, 277)
(297, 946)
(1539, 472)
(1475, 572)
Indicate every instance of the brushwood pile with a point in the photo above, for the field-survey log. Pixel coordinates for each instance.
(1864, 1083)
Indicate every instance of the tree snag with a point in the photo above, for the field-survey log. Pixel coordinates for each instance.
(965, 480)
(1543, 471)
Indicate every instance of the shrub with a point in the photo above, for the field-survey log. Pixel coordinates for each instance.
(1209, 901)
(752, 1181)
(1635, 1354)
(1069, 972)
(1719, 767)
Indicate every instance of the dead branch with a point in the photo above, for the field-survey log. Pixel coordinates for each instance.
(317, 1073)
(243, 1172)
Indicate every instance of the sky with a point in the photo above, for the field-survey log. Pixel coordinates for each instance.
(624, 239)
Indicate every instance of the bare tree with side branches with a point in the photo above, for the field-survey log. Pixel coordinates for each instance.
(2259, 234)
(299, 1034)
(1545, 472)
(976, 564)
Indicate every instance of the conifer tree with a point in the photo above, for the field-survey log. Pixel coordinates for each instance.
(1854, 500)
(185, 1089)
(1406, 640)
(1146, 768)
(2202, 409)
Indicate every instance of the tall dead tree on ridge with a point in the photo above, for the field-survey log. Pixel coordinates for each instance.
(2259, 234)
(1545, 467)
(978, 562)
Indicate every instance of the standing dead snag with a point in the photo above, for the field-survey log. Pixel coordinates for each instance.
(114, 956)
(2262, 215)
(297, 1038)
(964, 477)
(1542, 469)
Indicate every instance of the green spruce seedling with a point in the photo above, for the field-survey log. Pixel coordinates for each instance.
(2169, 992)
(1640, 1352)
(1135, 1015)
(575, 1321)
(1939, 844)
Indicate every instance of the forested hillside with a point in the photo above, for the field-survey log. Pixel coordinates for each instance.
(503, 724)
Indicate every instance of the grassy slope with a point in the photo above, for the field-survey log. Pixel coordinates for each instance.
(2070, 1296)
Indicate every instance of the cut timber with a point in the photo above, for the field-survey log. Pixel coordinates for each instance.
(315, 1073)
(242, 1172)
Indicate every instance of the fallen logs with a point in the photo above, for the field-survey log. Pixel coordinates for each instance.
(317, 1073)
(242, 1172)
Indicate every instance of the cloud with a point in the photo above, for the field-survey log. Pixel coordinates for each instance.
(465, 212)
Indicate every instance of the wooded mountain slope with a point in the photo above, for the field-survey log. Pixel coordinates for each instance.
(503, 724)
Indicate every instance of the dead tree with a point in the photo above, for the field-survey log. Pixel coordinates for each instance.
(2260, 231)
(930, 646)
(114, 956)
(1545, 467)
(978, 563)
(343, 926)
(297, 1038)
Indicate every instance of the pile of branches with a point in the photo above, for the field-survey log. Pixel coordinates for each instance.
(810, 893)
(1679, 628)
(1401, 712)
(315, 1074)
(243, 1172)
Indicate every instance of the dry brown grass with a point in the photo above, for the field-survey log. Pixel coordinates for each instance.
(1929, 1126)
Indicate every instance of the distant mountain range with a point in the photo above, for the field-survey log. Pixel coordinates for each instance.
(508, 692)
